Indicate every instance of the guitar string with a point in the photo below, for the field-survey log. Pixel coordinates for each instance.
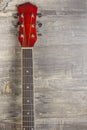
(22, 74)
(22, 81)
(31, 50)
(30, 29)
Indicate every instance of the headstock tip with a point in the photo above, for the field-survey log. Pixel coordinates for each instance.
(29, 7)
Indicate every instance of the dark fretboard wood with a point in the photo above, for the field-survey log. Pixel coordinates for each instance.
(27, 90)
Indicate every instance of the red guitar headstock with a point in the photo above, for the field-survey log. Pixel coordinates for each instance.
(27, 30)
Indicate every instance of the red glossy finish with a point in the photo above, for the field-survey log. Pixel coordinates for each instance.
(27, 30)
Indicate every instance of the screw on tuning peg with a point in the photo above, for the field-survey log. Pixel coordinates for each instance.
(15, 15)
(39, 15)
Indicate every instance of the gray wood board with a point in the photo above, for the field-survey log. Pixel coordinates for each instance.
(60, 66)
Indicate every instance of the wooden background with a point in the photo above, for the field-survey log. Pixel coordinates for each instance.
(60, 66)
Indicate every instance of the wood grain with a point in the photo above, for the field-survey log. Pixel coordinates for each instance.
(60, 66)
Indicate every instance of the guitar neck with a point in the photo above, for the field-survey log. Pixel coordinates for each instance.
(27, 90)
(27, 37)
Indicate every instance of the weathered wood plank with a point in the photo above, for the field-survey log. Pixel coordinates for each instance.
(60, 66)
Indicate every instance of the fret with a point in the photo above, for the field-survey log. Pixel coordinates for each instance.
(28, 123)
(28, 107)
(28, 118)
(27, 93)
(27, 97)
(27, 79)
(28, 67)
(27, 62)
(27, 53)
(28, 110)
(28, 104)
(27, 58)
(28, 128)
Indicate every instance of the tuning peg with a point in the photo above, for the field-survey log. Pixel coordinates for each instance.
(40, 25)
(17, 33)
(39, 34)
(17, 24)
(15, 15)
(39, 15)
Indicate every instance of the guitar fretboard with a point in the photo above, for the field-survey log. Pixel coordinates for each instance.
(27, 90)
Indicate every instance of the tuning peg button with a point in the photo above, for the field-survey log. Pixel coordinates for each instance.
(15, 15)
(40, 24)
(17, 24)
(39, 15)
(39, 34)
(17, 33)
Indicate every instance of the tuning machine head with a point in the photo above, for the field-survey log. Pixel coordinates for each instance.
(39, 34)
(27, 20)
(39, 15)
(15, 15)
(39, 24)
(16, 24)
